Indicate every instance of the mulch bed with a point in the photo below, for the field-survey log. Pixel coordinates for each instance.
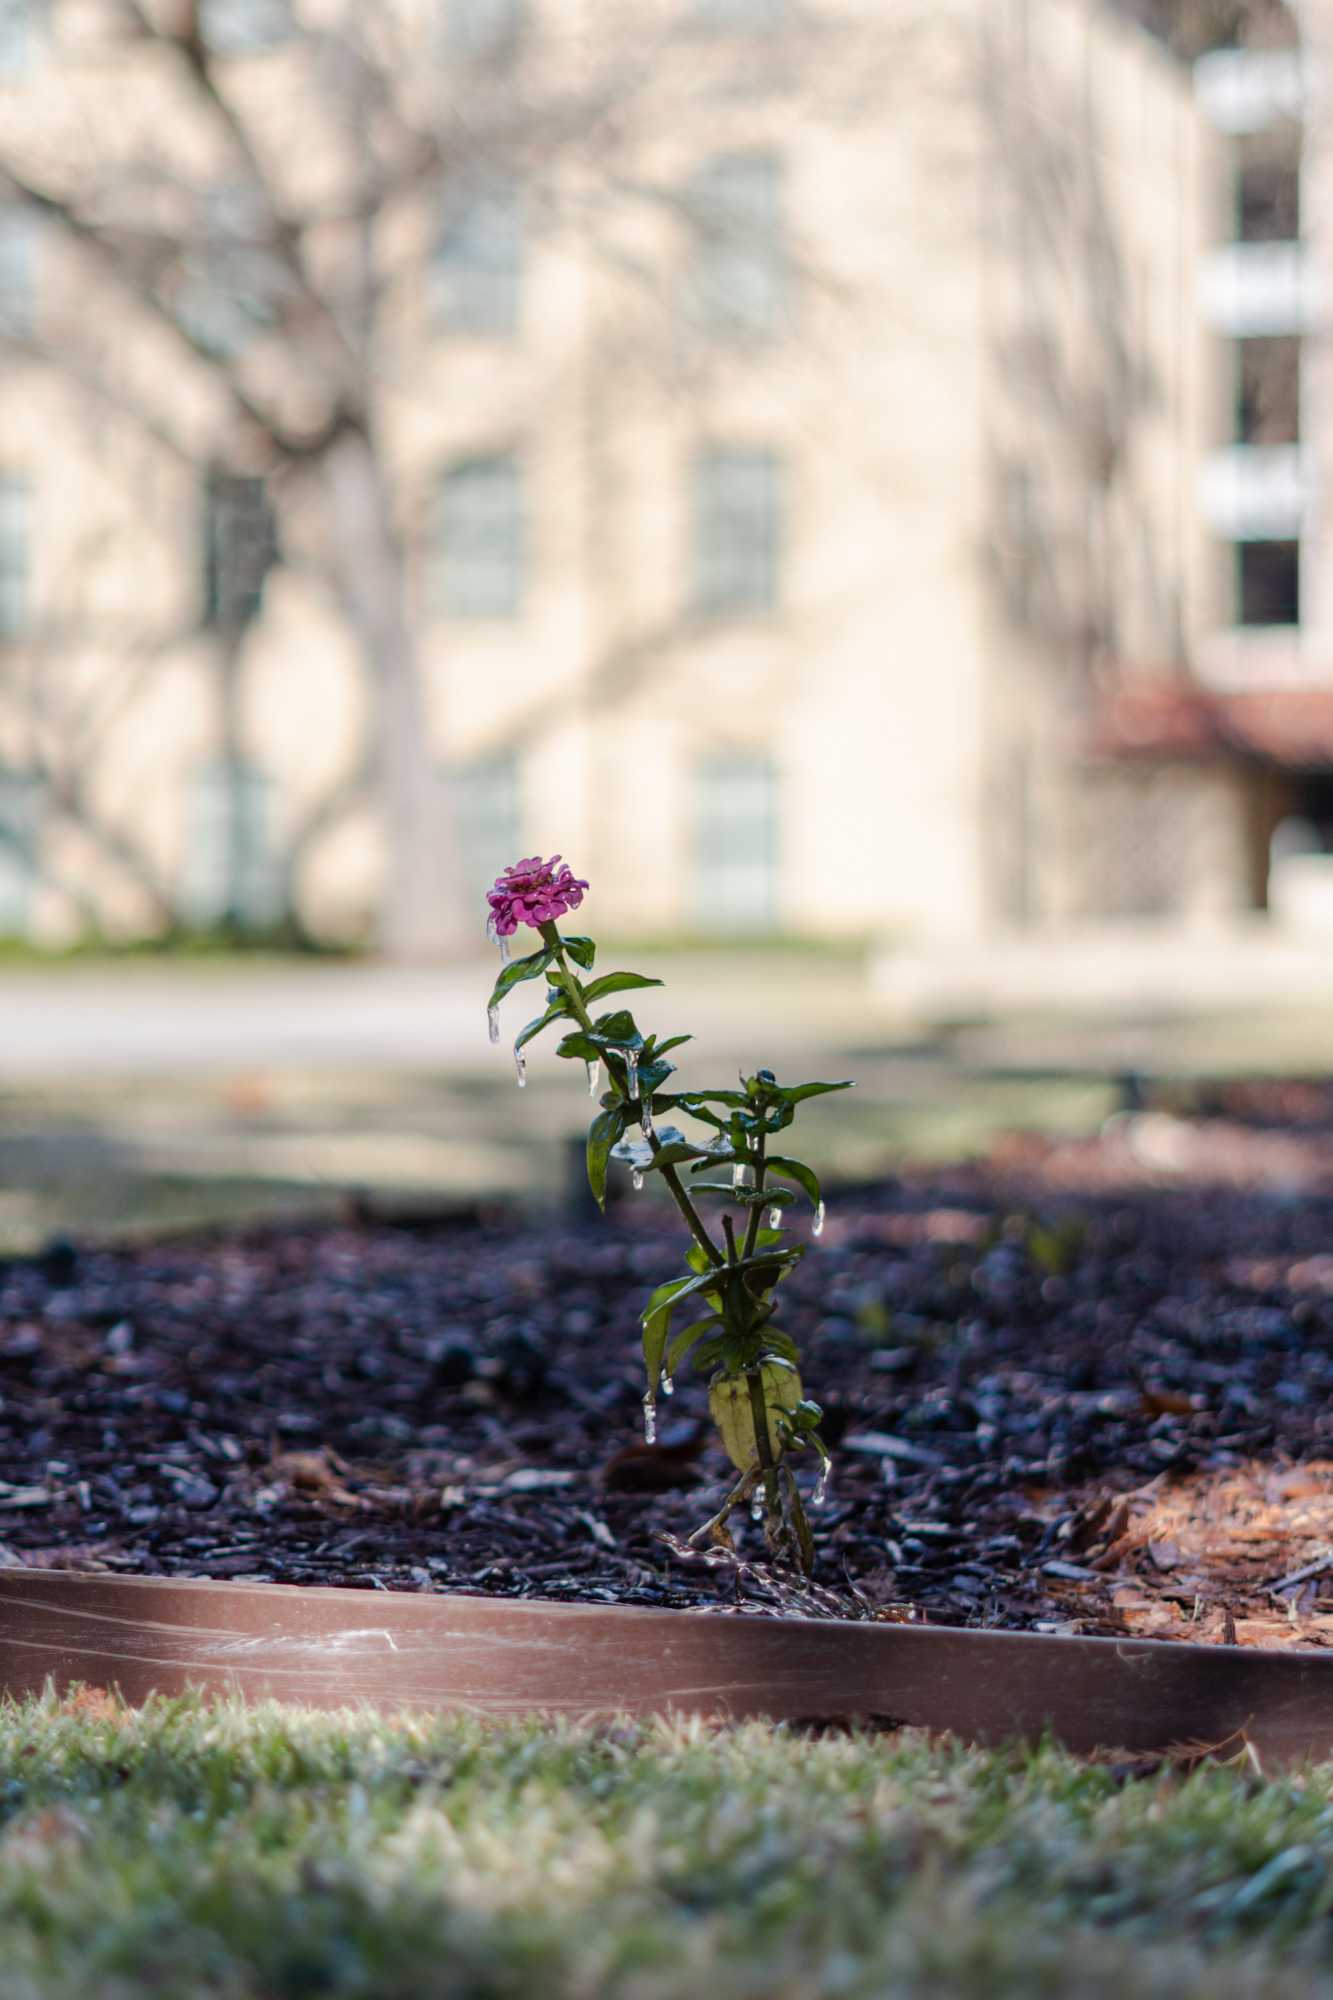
(1082, 1387)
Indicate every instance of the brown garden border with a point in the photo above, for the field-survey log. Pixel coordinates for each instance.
(498, 1657)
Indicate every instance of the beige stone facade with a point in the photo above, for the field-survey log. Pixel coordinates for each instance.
(779, 481)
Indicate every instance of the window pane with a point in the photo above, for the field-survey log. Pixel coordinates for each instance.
(15, 516)
(240, 548)
(1269, 390)
(478, 264)
(736, 843)
(482, 540)
(742, 16)
(20, 833)
(232, 284)
(737, 531)
(243, 27)
(1270, 583)
(1268, 203)
(484, 31)
(229, 869)
(16, 26)
(488, 819)
(739, 272)
(18, 271)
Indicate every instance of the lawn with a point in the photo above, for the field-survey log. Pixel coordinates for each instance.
(187, 1850)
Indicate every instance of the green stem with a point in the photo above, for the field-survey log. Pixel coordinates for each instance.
(763, 1444)
(574, 988)
(752, 1229)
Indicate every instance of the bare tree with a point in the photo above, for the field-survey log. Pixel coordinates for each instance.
(261, 243)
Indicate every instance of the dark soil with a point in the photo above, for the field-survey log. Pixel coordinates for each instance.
(1085, 1387)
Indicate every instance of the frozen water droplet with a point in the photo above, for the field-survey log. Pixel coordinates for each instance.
(649, 1418)
(594, 1078)
(504, 950)
(646, 1116)
(740, 1175)
(775, 1218)
(636, 1181)
(757, 1507)
(820, 1494)
(668, 1386)
(520, 1069)
(493, 1023)
(632, 1073)
(817, 1226)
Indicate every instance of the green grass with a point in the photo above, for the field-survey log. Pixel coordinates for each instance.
(194, 1851)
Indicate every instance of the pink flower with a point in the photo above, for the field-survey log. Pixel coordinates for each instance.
(533, 892)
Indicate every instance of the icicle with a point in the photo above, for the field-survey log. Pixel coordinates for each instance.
(520, 1069)
(504, 950)
(820, 1494)
(757, 1506)
(740, 1175)
(775, 1218)
(817, 1226)
(493, 1023)
(636, 1181)
(649, 1418)
(668, 1385)
(632, 1073)
(594, 1078)
(646, 1116)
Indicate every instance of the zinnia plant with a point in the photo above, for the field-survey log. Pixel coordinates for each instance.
(727, 1295)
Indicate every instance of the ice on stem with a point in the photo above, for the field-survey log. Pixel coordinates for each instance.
(817, 1226)
(646, 1116)
(820, 1494)
(636, 1181)
(668, 1385)
(493, 1023)
(649, 1418)
(740, 1175)
(631, 1074)
(520, 1069)
(757, 1506)
(594, 1078)
(504, 950)
(775, 1218)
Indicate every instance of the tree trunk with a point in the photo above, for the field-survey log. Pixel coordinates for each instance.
(421, 913)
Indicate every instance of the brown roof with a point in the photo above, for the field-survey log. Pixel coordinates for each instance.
(1287, 726)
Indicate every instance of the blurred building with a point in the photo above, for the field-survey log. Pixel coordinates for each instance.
(819, 507)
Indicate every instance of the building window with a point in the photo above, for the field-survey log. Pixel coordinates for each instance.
(738, 510)
(230, 873)
(741, 17)
(20, 837)
(240, 548)
(736, 843)
(1270, 583)
(481, 547)
(1268, 202)
(478, 264)
(738, 283)
(16, 36)
(244, 27)
(488, 32)
(1268, 387)
(232, 284)
(15, 518)
(488, 818)
(18, 271)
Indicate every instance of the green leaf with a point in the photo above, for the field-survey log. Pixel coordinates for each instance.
(745, 1197)
(605, 1129)
(657, 1321)
(672, 1042)
(582, 950)
(672, 1147)
(517, 971)
(557, 1011)
(799, 1092)
(685, 1340)
(578, 1044)
(795, 1170)
(617, 982)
